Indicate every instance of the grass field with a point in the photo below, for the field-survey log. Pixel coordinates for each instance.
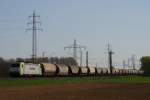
(72, 80)
(75, 88)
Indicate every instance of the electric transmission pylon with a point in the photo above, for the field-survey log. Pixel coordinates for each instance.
(75, 46)
(34, 29)
(133, 61)
(110, 52)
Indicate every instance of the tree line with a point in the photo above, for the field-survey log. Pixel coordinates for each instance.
(145, 65)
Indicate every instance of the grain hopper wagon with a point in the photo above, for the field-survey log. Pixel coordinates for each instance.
(83, 70)
(63, 70)
(99, 71)
(49, 69)
(74, 70)
(91, 71)
(116, 72)
(105, 71)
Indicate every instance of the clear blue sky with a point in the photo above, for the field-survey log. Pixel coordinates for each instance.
(125, 24)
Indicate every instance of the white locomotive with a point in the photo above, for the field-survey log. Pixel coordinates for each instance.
(25, 69)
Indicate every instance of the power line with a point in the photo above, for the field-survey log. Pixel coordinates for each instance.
(34, 29)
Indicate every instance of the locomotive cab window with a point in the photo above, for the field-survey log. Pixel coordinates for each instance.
(15, 65)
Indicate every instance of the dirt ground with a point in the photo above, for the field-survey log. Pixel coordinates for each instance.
(91, 91)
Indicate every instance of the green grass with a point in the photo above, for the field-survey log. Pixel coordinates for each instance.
(70, 80)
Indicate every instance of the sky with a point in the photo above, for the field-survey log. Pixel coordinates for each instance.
(124, 24)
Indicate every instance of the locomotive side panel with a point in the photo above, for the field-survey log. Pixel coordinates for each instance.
(30, 69)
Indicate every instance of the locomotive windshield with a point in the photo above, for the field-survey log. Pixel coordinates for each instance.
(15, 65)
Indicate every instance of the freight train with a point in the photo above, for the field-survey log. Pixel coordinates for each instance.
(48, 70)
